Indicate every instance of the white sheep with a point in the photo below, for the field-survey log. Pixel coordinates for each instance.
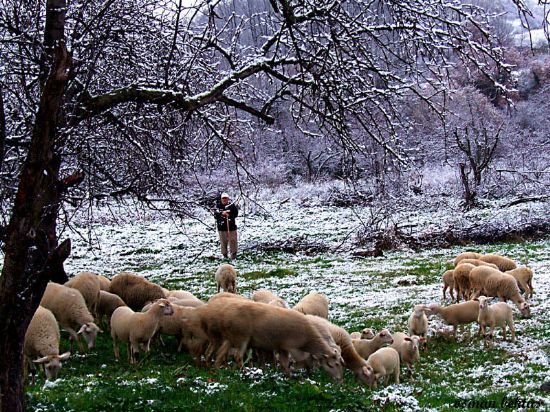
(42, 344)
(89, 285)
(461, 279)
(448, 283)
(504, 286)
(226, 278)
(178, 294)
(457, 314)
(266, 296)
(418, 321)
(134, 328)
(503, 263)
(407, 346)
(384, 363)
(70, 310)
(313, 304)
(499, 314)
(524, 279)
(365, 347)
(135, 290)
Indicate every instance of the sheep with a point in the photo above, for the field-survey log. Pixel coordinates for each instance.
(178, 294)
(42, 344)
(226, 278)
(239, 323)
(456, 314)
(478, 262)
(461, 279)
(226, 295)
(384, 362)
(104, 283)
(499, 314)
(89, 285)
(418, 321)
(108, 302)
(69, 308)
(466, 255)
(265, 296)
(313, 304)
(365, 347)
(503, 263)
(504, 286)
(135, 290)
(136, 327)
(366, 333)
(352, 360)
(448, 283)
(189, 302)
(524, 279)
(407, 347)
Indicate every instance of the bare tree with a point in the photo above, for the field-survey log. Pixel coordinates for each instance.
(139, 96)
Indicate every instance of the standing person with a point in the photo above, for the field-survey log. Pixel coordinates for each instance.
(225, 215)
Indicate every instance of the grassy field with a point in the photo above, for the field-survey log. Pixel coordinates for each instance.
(375, 292)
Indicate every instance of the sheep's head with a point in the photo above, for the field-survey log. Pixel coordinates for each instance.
(367, 333)
(333, 364)
(385, 336)
(525, 309)
(52, 364)
(166, 308)
(483, 302)
(414, 342)
(89, 331)
(366, 375)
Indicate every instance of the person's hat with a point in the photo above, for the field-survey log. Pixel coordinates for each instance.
(224, 194)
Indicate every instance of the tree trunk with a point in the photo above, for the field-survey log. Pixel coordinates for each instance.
(469, 195)
(32, 257)
(2, 129)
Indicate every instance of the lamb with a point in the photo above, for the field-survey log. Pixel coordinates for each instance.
(352, 360)
(407, 347)
(461, 278)
(524, 279)
(466, 255)
(418, 321)
(136, 327)
(499, 314)
(365, 347)
(448, 283)
(456, 314)
(42, 344)
(226, 278)
(108, 302)
(239, 323)
(503, 263)
(384, 362)
(89, 285)
(135, 290)
(69, 308)
(104, 283)
(313, 304)
(504, 286)
(265, 296)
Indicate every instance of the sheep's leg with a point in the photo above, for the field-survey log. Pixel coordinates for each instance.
(239, 357)
(451, 293)
(115, 347)
(444, 289)
(512, 331)
(284, 361)
(396, 375)
(221, 355)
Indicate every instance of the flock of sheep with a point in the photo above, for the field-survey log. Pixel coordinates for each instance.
(229, 325)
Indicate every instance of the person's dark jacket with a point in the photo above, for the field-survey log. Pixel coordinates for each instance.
(221, 222)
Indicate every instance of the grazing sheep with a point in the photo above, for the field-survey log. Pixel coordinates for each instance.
(384, 362)
(365, 347)
(352, 360)
(136, 327)
(89, 285)
(407, 347)
(265, 296)
(478, 276)
(503, 263)
(448, 283)
(135, 290)
(461, 278)
(524, 279)
(42, 344)
(478, 262)
(240, 323)
(108, 302)
(226, 278)
(504, 286)
(499, 314)
(69, 308)
(313, 304)
(104, 283)
(418, 321)
(466, 255)
(457, 314)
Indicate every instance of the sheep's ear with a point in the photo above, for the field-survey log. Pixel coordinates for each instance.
(82, 329)
(161, 304)
(42, 360)
(65, 356)
(408, 339)
(366, 371)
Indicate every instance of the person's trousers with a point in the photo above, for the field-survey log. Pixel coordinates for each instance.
(228, 239)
